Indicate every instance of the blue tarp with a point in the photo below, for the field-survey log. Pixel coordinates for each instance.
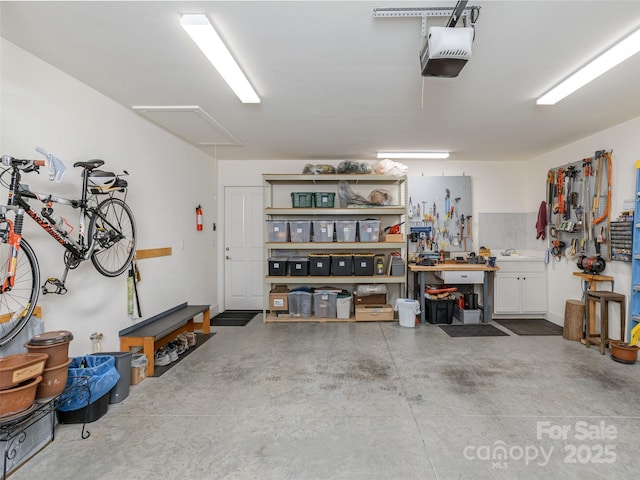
(98, 372)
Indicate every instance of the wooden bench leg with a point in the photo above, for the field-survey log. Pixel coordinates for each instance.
(149, 350)
(206, 322)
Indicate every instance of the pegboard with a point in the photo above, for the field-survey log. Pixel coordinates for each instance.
(440, 214)
(579, 207)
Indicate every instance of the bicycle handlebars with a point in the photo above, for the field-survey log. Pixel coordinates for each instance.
(22, 164)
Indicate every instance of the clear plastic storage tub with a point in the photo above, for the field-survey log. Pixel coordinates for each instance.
(300, 230)
(324, 304)
(300, 303)
(346, 230)
(277, 230)
(369, 230)
(323, 230)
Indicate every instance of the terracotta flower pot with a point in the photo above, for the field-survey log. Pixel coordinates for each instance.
(54, 380)
(16, 399)
(623, 352)
(54, 343)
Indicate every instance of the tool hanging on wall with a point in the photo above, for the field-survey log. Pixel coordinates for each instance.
(581, 211)
(558, 248)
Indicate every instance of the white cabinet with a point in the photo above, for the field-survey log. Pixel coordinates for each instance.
(520, 288)
(279, 208)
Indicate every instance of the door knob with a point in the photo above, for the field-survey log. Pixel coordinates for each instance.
(228, 257)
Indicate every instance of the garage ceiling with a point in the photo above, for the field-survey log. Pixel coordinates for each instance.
(337, 83)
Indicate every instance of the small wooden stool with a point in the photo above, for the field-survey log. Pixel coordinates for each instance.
(593, 296)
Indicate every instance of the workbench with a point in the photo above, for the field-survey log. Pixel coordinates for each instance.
(464, 273)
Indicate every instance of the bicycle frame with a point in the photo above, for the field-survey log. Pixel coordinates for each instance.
(80, 249)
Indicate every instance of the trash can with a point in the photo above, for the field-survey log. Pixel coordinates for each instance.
(89, 382)
(123, 366)
(343, 305)
(407, 310)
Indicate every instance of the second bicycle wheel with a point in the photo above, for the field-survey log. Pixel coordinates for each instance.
(18, 302)
(113, 229)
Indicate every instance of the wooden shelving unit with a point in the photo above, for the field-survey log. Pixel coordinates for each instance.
(277, 201)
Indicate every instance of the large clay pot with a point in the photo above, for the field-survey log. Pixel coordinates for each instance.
(54, 380)
(17, 399)
(54, 343)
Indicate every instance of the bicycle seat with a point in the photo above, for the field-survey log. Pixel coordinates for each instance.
(90, 165)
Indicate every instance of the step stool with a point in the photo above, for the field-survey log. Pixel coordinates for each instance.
(603, 297)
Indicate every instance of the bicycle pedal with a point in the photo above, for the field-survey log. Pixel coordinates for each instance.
(53, 285)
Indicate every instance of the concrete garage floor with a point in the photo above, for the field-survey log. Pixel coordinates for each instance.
(364, 401)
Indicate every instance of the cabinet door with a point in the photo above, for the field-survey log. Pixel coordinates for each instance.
(508, 293)
(534, 293)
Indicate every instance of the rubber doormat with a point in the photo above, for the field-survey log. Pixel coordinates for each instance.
(200, 339)
(530, 326)
(234, 318)
(481, 330)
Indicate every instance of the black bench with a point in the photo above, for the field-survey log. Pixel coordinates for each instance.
(155, 332)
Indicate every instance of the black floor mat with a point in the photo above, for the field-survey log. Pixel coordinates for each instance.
(481, 330)
(200, 339)
(530, 326)
(234, 318)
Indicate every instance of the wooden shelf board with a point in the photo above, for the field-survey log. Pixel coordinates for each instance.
(285, 319)
(391, 210)
(331, 279)
(333, 177)
(346, 246)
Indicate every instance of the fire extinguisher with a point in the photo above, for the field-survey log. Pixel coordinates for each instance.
(198, 218)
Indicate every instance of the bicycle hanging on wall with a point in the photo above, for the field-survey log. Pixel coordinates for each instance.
(109, 239)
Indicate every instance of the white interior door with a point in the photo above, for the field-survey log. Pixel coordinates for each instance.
(243, 248)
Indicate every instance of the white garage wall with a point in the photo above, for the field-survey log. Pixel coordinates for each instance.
(41, 106)
(624, 140)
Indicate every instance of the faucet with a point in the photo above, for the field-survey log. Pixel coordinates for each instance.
(508, 252)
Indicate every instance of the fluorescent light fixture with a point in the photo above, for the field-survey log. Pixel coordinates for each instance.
(432, 155)
(609, 59)
(201, 31)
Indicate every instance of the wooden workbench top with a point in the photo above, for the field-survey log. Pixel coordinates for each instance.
(464, 267)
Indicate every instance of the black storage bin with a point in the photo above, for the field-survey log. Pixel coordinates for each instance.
(319, 264)
(277, 266)
(298, 266)
(342, 265)
(123, 366)
(363, 264)
(440, 311)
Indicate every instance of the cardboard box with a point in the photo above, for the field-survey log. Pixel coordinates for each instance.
(394, 237)
(279, 298)
(138, 374)
(374, 299)
(374, 312)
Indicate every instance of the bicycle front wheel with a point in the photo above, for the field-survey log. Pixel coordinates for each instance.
(17, 303)
(113, 231)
